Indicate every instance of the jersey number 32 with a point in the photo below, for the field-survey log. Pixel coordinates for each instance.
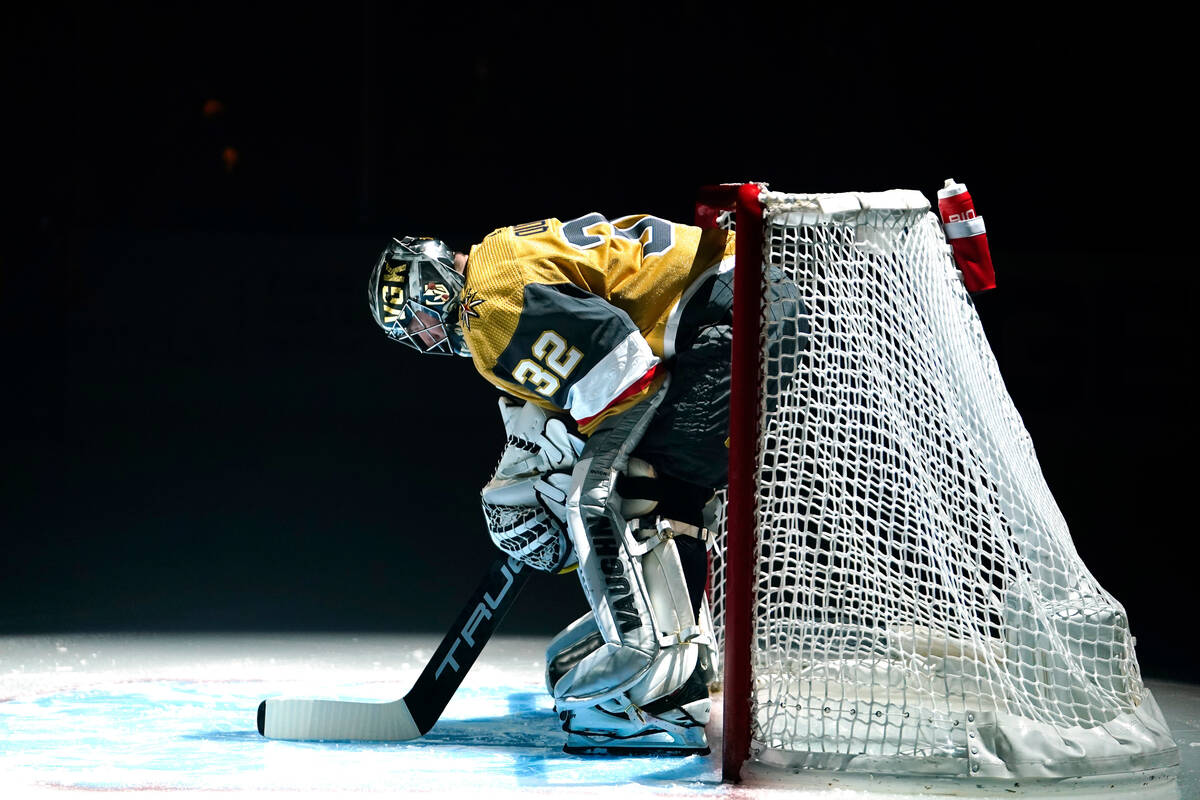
(555, 361)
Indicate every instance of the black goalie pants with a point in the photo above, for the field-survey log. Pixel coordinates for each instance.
(688, 437)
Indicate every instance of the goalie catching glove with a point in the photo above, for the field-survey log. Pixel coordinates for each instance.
(524, 502)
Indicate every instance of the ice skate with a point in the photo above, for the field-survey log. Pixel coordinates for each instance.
(671, 726)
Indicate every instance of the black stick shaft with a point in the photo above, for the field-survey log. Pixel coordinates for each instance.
(460, 648)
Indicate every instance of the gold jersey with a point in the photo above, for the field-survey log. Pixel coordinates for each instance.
(580, 315)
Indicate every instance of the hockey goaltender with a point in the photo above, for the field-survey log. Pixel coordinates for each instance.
(611, 341)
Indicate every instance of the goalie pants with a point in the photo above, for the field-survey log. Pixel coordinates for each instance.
(688, 437)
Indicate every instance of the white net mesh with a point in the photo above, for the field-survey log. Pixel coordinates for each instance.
(916, 580)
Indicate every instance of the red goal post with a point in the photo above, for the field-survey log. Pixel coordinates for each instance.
(744, 416)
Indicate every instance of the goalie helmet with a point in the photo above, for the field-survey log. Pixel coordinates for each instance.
(414, 295)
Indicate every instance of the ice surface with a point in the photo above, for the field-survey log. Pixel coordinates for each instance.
(176, 715)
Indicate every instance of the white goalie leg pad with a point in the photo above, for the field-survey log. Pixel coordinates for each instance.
(615, 589)
(681, 638)
(583, 668)
(649, 688)
(667, 706)
(634, 685)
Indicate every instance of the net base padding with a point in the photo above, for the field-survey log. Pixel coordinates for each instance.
(1147, 784)
(984, 744)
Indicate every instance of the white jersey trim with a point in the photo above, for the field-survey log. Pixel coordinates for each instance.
(623, 366)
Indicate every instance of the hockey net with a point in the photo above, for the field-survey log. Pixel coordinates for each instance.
(914, 602)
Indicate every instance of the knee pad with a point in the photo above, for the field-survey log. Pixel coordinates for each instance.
(573, 644)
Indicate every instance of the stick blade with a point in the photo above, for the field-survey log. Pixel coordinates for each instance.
(335, 720)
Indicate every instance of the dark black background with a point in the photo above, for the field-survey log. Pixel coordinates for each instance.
(203, 430)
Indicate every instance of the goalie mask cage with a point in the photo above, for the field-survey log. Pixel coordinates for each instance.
(895, 587)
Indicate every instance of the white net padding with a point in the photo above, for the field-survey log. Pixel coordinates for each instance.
(920, 605)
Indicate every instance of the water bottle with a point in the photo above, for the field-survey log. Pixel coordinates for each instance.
(967, 236)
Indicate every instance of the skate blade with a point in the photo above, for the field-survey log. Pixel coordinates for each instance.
(625, 750)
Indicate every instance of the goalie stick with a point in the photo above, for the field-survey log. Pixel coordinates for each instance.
(412, 716)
